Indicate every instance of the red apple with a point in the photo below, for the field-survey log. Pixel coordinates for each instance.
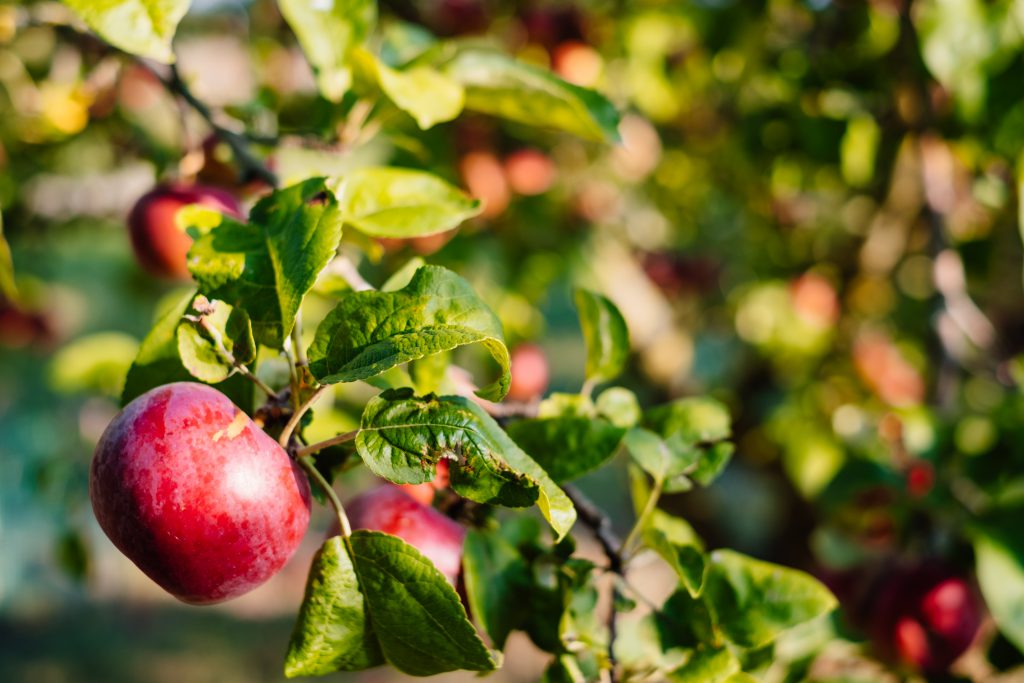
(529, 373)
(425, 492)
(160, 245)
(529, 171)
(196, 495)
(389, 509)
(926, 618)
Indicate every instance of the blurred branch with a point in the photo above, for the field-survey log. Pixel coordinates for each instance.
(599, 523)
(251, 166)
(60, 19)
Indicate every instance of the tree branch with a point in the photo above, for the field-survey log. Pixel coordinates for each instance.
(599, 523)
(326, 443)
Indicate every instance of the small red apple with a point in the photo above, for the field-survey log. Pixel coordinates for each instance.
(425, 492)
(529, 373)
(529, 171)
(196, 495)
(160, 246)
(390, 510)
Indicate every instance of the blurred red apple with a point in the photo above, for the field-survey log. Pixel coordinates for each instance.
(196, 495)
(529, 373)
(392, 511)
(484, 177)
(925, 617)
(529, 171)
(160, 245)
(425, 492)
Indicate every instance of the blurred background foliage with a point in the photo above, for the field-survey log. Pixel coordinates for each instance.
(812, 215)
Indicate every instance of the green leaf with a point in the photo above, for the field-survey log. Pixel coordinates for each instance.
(754, 601)
(421, 625)
(620, 406)
(605, 333)
(333, 631)
(499, 85)
(8, 288)
(423, 92)
(369, 332)
(402, 437)
(567, 447)
(495, 575)
(678, 544)
(266, 266)
(707, 665)
(141, 27)
(999, 554)
(328, 31)
(401, 202)
(694, 419)
(159, 362)
(566, 405)
(93, 363)
(198, 350)
(693, 429)
(665, 464)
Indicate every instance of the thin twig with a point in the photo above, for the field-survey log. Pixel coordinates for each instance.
(310, 467)
(326, 443)
(641, 520)
(599, 523)
(293, 421)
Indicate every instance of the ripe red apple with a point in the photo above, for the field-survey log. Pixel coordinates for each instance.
(389, 509)
(925, 618)
(160, 246)
(196, 495)
(424, 493)
(529, 373)
(529, 171)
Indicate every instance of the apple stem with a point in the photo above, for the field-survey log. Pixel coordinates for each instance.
(307, 464)
(293, 421)
(326, 443)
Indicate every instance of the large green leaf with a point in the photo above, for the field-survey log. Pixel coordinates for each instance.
(999, 554)
(753, 601)
(197, 345)
(499, 85)
(402, 437)
(495, 574)
(401, 202)
(328, 31)
(159, 361)
(266, 266)
(369, 332)
(141, 27)
(426, 94)
(605, 333)
(419, 621)
(333, 631)
(567, 447)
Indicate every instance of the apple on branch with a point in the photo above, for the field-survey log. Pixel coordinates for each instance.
(197, 495)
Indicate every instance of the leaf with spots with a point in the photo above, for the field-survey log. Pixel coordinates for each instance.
(402, 437)
(370, 332)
